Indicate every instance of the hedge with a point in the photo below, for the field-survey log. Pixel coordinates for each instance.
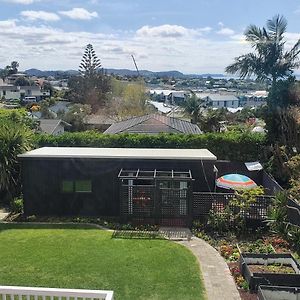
(226, 146)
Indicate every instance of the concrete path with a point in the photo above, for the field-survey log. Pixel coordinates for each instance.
(175, 233)
(3, 213)
(218, 282)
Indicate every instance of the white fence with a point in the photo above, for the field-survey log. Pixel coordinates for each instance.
(30, 293)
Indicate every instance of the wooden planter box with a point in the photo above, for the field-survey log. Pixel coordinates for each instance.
(275, 279)
(278, 293)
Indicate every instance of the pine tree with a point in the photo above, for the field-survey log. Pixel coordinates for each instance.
(90, 63)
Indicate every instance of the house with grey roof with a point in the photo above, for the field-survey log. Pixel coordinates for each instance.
(153, 124)
(53, 126)
(32, 93)
(216, 100)
(98, 121)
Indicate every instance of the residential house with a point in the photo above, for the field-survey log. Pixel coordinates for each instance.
(254, 99)
(99, 122)
(153, 124)
(34, 93)
(169, 96)
(10, 92)
(217, 100)
(177, 97)
(53, 126)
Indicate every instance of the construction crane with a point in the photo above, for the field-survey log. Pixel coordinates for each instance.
(137, 69)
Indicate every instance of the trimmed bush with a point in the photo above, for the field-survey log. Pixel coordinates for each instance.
(17, 205)
(226, 146)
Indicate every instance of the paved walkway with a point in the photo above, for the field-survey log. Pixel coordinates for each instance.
(217, 279)
(3, 213)
(175, 233)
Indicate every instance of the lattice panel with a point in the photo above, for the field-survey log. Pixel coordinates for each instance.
(173, 202)
(203, 203)
(137, 201)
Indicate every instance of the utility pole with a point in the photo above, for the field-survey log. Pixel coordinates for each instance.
(137, 69)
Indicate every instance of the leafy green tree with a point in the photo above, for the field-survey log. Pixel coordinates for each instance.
(48, 87)
(22, 81)
(210, 121)
(18, 116)
(282, 114)
(45, 110)
(128, 100)
(76, 116)
(9, 70)
(269, 61)
(13, 68)
(15, 138)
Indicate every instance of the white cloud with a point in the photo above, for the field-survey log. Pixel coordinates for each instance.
(7, 24)
(26, 2)
(78, 13)
(170, 31)
(225, 31)
(33, 15)
(162, 31)
(50, 48)
(205, 29)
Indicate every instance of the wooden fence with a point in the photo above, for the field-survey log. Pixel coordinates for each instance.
(17, 292)
(293, 212)
(203, 203)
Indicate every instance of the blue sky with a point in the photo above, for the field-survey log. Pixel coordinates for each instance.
(190, 36)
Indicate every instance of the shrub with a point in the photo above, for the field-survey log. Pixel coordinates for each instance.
(293, 234)
(15, 138)
(219, 222)
(17, 205)
(277, 217)
(228, 146)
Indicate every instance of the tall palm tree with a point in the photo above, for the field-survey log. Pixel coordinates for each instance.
(269, 61)
(192, 107)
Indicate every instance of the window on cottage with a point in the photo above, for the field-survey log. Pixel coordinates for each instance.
(67, 186)
(83, 186)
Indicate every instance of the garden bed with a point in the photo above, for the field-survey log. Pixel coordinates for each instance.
(230, 245)
(272, 268)
(278, 292)
(269, 269)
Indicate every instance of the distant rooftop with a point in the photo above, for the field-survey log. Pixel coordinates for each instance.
(49, 125)
(121, 153)
(217, 97)
(154, 124)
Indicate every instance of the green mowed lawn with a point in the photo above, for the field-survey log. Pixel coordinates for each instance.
(68, 257)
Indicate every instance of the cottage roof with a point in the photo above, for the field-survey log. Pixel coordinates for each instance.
(121, 153)
(153, 124)
(49, 125)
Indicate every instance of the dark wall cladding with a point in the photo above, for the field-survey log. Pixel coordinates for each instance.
(43, 179)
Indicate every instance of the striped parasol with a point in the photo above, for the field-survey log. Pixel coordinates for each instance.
(235, 182)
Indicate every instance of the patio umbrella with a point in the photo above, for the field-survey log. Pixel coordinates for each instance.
(235, 182)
